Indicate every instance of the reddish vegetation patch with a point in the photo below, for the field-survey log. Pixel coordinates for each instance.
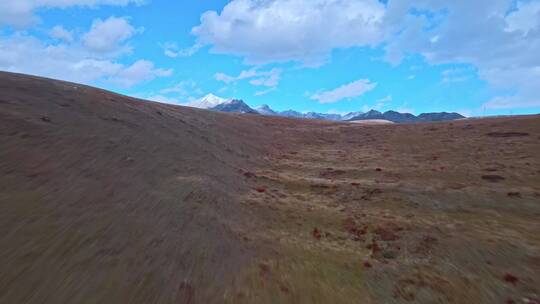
(514, 194)
(261, 189)
(426, 245)
(264, 269)
(510, 279)
(367, 264)
(316, 233)
(374, 247)
(355, 184)
(350, 225)
(378, 169)
(493, 178)
(507, 134)
(386, 234)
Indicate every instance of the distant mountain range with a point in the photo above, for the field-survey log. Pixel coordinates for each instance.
(215, 103)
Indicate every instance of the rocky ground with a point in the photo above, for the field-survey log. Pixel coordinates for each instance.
(109, 199)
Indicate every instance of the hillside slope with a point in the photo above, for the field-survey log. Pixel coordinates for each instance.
(110, 199)
(103, 194)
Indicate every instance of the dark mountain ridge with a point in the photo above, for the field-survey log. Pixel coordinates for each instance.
(235, 106)
(239, 106)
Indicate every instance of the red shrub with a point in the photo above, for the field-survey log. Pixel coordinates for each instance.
(316, 233)
(510, 278)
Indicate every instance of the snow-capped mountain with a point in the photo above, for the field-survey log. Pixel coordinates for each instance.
(265, 110)
(398, 117)
(215, 103)
(392, 116)
(323, 116)
(207, 102)
(351, 115)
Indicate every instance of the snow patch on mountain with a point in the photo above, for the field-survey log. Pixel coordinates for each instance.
(208, 102)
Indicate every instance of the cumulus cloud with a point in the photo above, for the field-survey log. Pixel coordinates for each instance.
(268, 78)
(264, 92)
(20, 13)
(525, 18)
(140, 71)
(501, 41)
(108, 35)
(350, 90)
(184, 87)
(512, 102)
(27, 54)
(489, 35)
(525, 79)
(380, 104)
(60, 33)
(285, 30)
(173, 51)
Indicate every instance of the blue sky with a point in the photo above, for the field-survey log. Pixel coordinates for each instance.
(333, 56)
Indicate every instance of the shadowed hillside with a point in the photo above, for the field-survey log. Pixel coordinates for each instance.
(110, 199)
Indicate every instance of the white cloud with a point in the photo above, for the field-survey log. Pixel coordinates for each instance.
(501, 35)
(27, 54)
(525, 18)
(384, 101)
(478, 33)
(180, 93)
(285, 30)
(512, 102)
(20, 13)
(268, 78)
(353, 89)
(264, 92)
(224, 78)
(108, 35)
(379, 104)
(60, 33)
(182, 88)
(140, 71)
(243, 75)
(171, 50)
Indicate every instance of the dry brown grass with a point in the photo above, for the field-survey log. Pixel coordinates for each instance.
(108, 199)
